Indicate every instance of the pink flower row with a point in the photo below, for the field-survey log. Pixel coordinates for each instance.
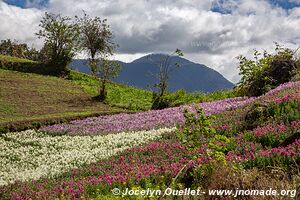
(141, 121)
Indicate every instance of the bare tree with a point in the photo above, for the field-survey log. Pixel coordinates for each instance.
(166, 66)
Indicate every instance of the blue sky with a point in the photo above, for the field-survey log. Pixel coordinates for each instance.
(285, 4)
(27, 3)
(42, 3)
(147, 26)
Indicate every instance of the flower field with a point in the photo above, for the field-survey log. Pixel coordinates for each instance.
(86, 159)
(32, 154)
(169, 117)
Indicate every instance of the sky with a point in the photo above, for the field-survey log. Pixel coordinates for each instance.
(210, 32)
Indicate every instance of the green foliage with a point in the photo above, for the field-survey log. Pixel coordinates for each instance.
(263, 162)
(268, 139)
(20, 50)
(181, 97)
(24, 65)
(117, 94)
(265, 71)
(106, 70)
(296, 76)
(137, 99)
(160, 102)
(254, 81)
(256, 115)
(219, 144)
(14, 59)
(60, 36)
(95, 39)
(197, 129)
(287, 108)
(177, 98)
(201, 173)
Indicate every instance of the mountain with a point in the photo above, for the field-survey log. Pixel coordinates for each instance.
(190, 76)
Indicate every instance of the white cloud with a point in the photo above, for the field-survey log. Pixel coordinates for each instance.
(19, 24)
(146, 26)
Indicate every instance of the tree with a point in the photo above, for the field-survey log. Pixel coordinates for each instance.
(166, 66)
(106, 69)
(95, 38)
(60, 36)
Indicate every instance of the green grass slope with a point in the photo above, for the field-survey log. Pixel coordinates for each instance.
(39, 99)
(136, 99)
(118, 95)
(15, 59)
(32, 97)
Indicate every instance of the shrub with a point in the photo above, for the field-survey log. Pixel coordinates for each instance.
(160, 102)
(285, 109)
(197, 129)
(266, 71)
(27, 67)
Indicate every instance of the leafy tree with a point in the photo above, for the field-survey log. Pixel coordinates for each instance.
(16, 49)
(60, 35)
(106, 69)
(166, 66)
(95, 38)
(265, 71)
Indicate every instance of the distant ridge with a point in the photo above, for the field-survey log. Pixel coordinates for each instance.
(191, 77)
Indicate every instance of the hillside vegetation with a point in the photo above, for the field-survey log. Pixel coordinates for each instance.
(29, 97)
(245, 143)
(136, 99)
(31, 100)
(4, 58)
(210, 145)
(118, 95)
(73, 94)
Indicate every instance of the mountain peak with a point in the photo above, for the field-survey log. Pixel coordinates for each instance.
(157, 57)
(190, 76)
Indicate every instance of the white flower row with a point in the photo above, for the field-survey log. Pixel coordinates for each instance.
(32, 154)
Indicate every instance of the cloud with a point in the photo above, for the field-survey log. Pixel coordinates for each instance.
(19, 24)
(212, 32)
